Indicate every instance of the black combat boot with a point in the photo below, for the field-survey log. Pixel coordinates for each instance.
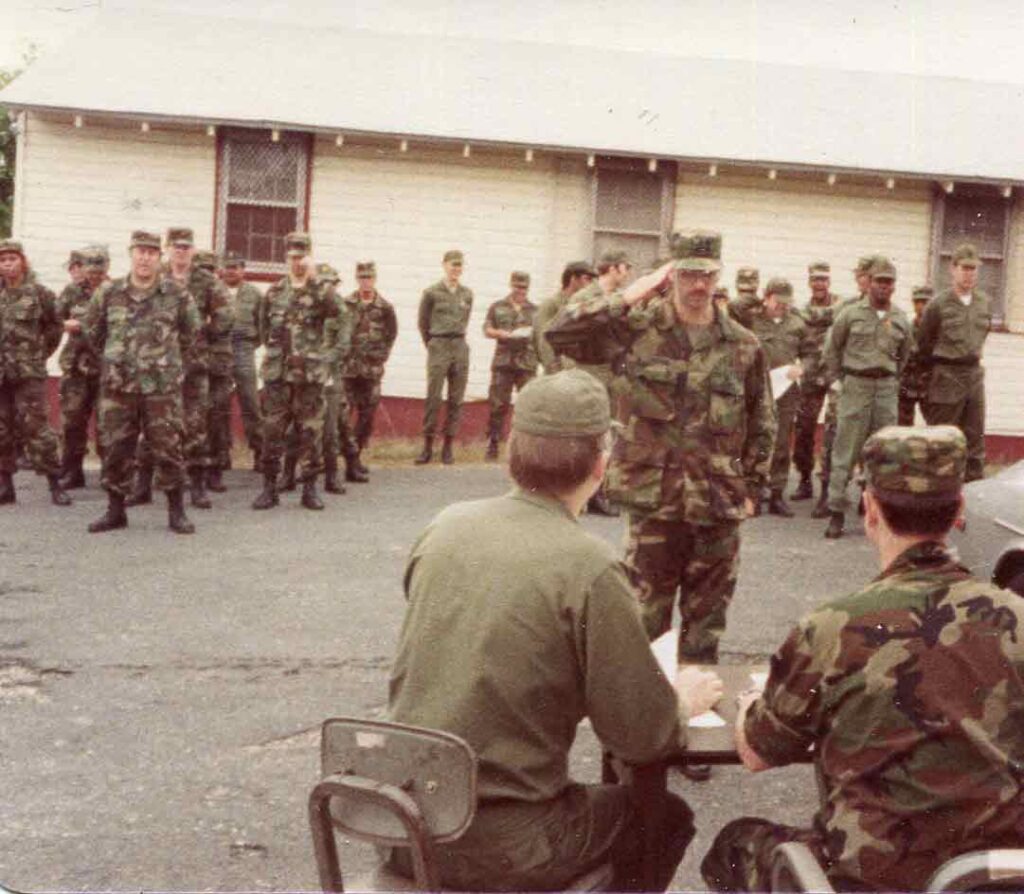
(215, 481)
(73, 476)
(331, 483)
(114, 518)
(353, 470)
(143, 492)
(358, 459)
(177, 521)
(197, 489)
(804, 490)
(492, 448)
(268, 496)
(287, 482)
(777, 505)
(836, 520)
(447, 456)
(310, 498)
(57, 495)
(7, 494)
(821, 507)
(427, 453)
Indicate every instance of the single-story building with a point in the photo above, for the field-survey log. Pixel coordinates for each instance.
(525, 156)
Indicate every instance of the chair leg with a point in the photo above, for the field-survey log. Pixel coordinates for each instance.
(325, 848)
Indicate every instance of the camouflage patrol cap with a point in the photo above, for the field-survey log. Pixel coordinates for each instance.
(519, 278)
(569, 404)
(909, 466)
(453, 256)
(207, 260)
(8, 246)
(819, 269)
(180, 236)
(923, 293)
(864, 263)
(144, 239)
(613, 258)
(882, 268)
(966, 255)
(699, 250)
(747, 279)
(366, 268)
(75, 258)
(781, 288)
(721, 293)
(297, 244)
(96, 256)
(233, 259)
(327, 273)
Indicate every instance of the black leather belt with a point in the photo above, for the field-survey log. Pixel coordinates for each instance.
(450, 335)
(868, 373)
(956, 361)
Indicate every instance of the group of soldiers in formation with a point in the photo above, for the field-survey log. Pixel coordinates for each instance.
(158, 353)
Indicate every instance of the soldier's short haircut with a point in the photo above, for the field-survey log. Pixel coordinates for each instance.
(552, 466)
(933, 519)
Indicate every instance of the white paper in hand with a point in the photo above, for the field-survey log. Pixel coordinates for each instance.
(707, 720)
(758, 680)
(781, 381)
(664, 648)
(523, 332)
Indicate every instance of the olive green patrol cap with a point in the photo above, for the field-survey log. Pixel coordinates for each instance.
(207, 260)
(569, 404)
(144, 239)
(11, 245)
(699, 250)
(910, 466)
(923, 293)
(747, 279)
(579, 268)
(95, 256)
(77, 256)
(819, 270)
(864, 263)
(613, 258)
(966, 255)
(180, 236)
(453, 256)
(882, 268)
(781, 288)
(297, 244)
(233, 259)
(366, 268)
(519, 278)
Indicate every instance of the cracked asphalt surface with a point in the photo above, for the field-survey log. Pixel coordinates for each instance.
(161, 696)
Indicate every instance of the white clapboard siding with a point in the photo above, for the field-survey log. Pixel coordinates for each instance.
(404, 210)
(1015, 271)
(781, 226)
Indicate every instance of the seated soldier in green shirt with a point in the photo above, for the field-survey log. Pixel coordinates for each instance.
(519, 625)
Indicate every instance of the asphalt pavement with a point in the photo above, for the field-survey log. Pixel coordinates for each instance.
(161, 695)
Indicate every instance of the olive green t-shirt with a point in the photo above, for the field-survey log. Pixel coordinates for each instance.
(519, 625)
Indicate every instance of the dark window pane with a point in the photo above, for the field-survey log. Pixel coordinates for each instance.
(261, 248)
(628, 201)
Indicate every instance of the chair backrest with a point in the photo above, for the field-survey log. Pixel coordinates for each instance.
(795, 868)
(436, 769)
(989, 870)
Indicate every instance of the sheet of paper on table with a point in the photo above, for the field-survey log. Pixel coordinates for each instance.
(664, 648)
(781, 381)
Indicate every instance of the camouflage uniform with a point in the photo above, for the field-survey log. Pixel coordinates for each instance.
(30, 330)
(373, 336)
(908, 692)
(212, 294)
(143, 338)
(914, 378)
(952, 338)
(443, 316)
(547, 311)
(697, 441)
(867, 351)
(244, 338)
(514, 362)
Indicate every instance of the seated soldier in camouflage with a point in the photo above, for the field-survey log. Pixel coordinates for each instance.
(511, 648)
(909, 692)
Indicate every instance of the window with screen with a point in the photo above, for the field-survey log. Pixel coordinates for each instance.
(261, 194)
(633, 208)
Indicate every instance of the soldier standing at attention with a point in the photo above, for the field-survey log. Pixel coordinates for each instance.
(142, 326)
(80, 368)
(76, 268)
(906, 692)
(515, 361)
(866, 349)
(443, 317)
(817, 314)
(953, 332)
(373, 336)
(576, 275)
(337, 435)
(786, 342)
(696, 444)
(246, 299)
(30, 330)
(296, 365)
(914, 379)
(511, 649)
(747, 303)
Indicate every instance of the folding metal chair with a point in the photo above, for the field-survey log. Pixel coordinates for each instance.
(990, 870)
(795, 868)
(395, 785)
